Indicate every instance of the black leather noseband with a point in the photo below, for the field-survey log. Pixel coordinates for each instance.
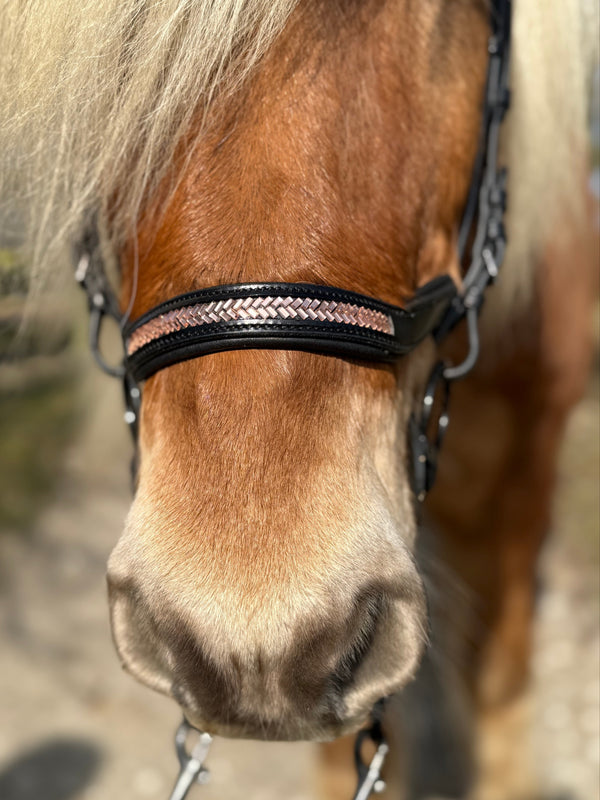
(291, 316)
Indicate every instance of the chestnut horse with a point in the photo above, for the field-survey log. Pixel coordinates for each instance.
(270, 577)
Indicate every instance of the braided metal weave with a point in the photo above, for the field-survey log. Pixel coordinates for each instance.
(257, 309)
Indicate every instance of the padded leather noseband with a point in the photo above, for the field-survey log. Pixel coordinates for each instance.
(292, 316)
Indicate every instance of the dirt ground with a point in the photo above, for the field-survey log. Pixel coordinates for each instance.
(73, 726)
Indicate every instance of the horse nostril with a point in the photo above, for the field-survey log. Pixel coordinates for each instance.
(341, 643)
(362, 627)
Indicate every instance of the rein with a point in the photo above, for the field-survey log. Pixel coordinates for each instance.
(330, 321)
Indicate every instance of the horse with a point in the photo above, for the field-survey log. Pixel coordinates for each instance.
(275, 575)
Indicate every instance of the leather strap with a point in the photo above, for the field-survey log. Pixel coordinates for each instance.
(292, 316)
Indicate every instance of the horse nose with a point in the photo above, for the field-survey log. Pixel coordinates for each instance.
(343, 666)
(315, 678)
(326, 657)
(276, 694)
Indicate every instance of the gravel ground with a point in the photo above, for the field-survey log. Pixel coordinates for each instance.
(74, 727)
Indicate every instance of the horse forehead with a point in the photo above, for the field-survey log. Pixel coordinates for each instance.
(294, 183)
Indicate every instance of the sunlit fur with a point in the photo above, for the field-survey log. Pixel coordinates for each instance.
(95, 92)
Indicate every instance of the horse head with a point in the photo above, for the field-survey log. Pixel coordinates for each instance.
(265, 578)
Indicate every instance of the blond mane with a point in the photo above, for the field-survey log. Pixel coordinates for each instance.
(96, 94)
(545, 140)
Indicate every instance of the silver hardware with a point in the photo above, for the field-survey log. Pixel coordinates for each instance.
(82, 268)
(98, 300)
(372, 781)
(192, 769)
(490, 263)
(451, 373)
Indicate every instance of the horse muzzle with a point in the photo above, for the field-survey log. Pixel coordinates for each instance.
(311, 675)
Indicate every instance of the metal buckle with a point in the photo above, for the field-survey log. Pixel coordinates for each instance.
(482, 274)
(452, 373)
(192, 769)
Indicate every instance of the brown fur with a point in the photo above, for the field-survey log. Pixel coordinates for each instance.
(518, 405)
(281, 190)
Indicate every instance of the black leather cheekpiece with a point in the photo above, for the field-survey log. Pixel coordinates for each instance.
(282, 316)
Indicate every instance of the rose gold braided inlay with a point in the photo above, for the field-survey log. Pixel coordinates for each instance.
(259, 308)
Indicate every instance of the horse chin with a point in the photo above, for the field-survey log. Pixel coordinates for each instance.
(291, 730)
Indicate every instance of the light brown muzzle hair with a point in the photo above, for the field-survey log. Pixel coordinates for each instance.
(265, 578)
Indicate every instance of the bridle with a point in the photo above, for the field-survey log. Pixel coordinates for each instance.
(331, 321)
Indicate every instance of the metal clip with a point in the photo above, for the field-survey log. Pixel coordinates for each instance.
(133, 400)
(369, 776)
(97, 315)
(192, 769)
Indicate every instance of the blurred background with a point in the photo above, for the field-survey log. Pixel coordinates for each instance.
(72, 725)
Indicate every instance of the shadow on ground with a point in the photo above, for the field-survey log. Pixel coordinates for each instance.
(55, 770)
